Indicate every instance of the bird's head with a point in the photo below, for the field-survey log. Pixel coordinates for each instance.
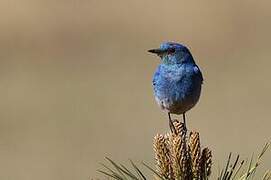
(173, 53)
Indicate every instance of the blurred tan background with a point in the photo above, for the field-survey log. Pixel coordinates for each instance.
(75, 81)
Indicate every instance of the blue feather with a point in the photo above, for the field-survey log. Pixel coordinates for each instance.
(177, 80)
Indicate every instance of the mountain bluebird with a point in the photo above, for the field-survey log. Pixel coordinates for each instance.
(177, 80)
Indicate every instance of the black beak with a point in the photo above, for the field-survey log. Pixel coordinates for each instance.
(156, 51)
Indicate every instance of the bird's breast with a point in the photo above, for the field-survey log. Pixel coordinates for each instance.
(176, 90)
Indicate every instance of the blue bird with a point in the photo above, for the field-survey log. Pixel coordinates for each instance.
(177, 80)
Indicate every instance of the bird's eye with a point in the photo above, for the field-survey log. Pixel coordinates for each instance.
(171, 51)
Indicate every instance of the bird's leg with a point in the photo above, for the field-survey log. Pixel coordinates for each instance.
(184, 122)
(171, 125)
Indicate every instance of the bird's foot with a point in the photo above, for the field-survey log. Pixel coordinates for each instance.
(172, 128)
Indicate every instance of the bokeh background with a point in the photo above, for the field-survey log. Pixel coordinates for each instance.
(75, 81)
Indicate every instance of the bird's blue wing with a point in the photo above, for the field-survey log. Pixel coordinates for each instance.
(198, 73)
